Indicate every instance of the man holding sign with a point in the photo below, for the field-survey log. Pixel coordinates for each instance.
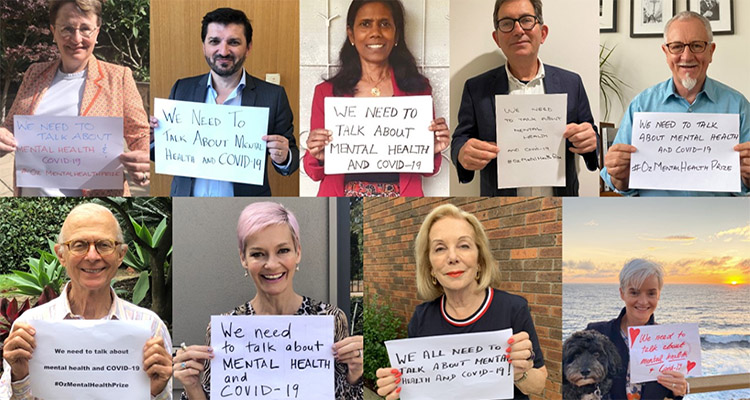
(227, 39)
(91, 250)
(689, 50)
(519, 32)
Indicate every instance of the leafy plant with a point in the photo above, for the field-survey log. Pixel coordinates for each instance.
(137, 257)
(609, 82)
(124, 35)
(45, 271)
(10, 310)
(380, 324)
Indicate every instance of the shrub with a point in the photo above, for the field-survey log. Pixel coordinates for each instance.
(380, 324)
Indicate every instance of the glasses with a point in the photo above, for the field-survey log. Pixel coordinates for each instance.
(68, 31)
(526, 22)
(104, 247)
(696, 47)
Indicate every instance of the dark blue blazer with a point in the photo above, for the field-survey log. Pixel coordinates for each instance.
(476, 119)
(256, 93)
(650, 390)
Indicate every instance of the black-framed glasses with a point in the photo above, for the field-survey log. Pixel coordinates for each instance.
(68, 31)
(696, 47)
(526, 22)
(80, 247)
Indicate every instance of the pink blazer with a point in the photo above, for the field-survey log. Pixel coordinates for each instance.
(109, 91)
(333, 185)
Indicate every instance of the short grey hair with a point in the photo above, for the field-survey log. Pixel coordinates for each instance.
(637, 270)
(90, 209)
(537, 10)
(684, 15)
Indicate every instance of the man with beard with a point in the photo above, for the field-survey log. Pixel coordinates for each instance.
(689, 48)
(227, 38)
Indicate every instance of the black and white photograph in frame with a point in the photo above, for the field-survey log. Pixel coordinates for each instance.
(607, 15)
(647, 17)
(719, 12)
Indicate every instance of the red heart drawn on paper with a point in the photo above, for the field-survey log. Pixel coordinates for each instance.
(633, 334)
(691, 365)
(651, 370)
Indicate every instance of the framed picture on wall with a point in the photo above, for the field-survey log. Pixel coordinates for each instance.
(648, 17)
(719, 12)
(607, 15)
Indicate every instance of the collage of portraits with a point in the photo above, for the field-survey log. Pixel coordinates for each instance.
(374, 199)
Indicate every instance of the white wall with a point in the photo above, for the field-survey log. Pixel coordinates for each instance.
(641, 63)
(427, 37)
(572, 44)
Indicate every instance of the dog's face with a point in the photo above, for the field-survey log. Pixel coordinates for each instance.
(589, 357)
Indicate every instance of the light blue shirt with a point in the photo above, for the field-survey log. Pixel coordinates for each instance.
(210, 187)
(716, 98)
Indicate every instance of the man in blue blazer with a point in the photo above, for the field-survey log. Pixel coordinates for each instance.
(519, 32)
(227, 38)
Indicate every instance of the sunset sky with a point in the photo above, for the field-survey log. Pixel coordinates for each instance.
(697, 240)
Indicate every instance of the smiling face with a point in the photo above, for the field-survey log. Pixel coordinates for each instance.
(271, 259)
(641, 302)
(225, 48)
(90, 272)
(374, 33)
(75, 48)
(688, 69)
(454, 254)
(518, 43)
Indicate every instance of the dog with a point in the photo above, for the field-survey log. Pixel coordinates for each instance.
(590, 361)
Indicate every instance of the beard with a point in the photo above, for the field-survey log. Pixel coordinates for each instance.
(236, 65)
(688, 82)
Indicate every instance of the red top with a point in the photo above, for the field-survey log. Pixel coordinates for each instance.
(410, 184)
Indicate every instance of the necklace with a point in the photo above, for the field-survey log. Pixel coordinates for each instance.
(375, 91)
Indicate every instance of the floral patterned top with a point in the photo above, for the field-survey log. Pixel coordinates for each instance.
(344, 390)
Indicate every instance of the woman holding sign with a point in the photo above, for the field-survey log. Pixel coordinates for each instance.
(641, 282)
(270, 252)
(77, 84)
(374, 62)
(457, 273)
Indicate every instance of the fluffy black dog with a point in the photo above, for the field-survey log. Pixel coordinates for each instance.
(590, 361)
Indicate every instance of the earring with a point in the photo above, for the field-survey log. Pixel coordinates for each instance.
(352, 44)
(395, 45)
(246, 274)
(297, 267)
(479, 276)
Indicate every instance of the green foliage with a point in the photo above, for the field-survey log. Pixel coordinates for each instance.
(355, 319)
(355, 237)
(43, 272)
(380, 324)
(125, 34)
(609, 82)
(26, 224)
(137, 257)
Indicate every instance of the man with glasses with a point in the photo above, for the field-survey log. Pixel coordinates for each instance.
(519, 32)
(689, 49)
(90, 247)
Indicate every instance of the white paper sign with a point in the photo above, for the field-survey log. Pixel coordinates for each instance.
(68, 152)
(530, 137)
(89, 359)
(469, 366)
(658, 348)
(379, 134)
(211, 141)
(272, 357)
(685, 151)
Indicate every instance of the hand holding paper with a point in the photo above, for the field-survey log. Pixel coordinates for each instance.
(442, 134)
(158, 364)
(388, 381)
(7, 142)
(519, 352)
(188, 366)
(674, 381)
(18, 348)
(744, 149)
(476, 154)
(617, 161)
(582, 136)
(349, 352)
(317, 141)
(278, 148)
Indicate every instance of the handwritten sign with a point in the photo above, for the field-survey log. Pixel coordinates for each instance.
(89, 359)
(68, 152)
(211, 141)
(272, 357)
(685, 151)
(470, 366)
(655, 349)
(530, 136)
(372, 134)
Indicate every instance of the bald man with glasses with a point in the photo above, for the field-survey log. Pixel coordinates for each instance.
(519, 32)
(689, 48)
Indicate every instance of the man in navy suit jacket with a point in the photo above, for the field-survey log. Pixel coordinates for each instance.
(519, 31)
(227, 39)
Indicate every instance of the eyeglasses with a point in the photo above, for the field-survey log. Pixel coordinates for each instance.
(104, 247)
(696, 47)
(68, 31)
(526, 22)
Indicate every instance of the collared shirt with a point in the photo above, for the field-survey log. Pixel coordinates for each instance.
(214, 188)
(534, 86)
(59, 309)
(715, 98)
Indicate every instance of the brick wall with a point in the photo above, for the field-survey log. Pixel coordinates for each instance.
(525, 236)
